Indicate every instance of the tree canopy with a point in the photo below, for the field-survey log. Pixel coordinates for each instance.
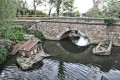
(113, 8)
(95, 12)
(108, 8)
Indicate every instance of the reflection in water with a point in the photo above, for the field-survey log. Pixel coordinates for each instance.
(71, 47)
(66, 65)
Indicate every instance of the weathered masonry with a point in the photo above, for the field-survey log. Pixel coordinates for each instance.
(95, 29)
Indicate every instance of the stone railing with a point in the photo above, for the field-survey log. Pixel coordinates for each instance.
(66, 19)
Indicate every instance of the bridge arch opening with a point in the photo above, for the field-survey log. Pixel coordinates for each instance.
(77, 37)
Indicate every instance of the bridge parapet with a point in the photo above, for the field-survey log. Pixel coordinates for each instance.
(66, 19)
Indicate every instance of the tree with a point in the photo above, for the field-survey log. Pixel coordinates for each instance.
(69, 9)
(23, 2)
(68, 5)
(95, 12)
(72, 14)
(7, 13)
(35, 4)
(110, 7)
(113, 8)
(50, 5)
(59, 2)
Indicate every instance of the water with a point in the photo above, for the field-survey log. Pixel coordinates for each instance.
(69, 62)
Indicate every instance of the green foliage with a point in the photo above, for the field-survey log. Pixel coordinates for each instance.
(16, 34)
(30, 13)
(109, 21)
(3, 54)
(7, 13)
(68, 5)
(8, 44)
(72, 14)
(7, 9)
(95, 12)
(4, 48)
(37, 34)
(113, 9)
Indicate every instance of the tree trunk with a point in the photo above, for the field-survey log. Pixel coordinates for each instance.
(49, 15)
(58, 7)
(34, 8)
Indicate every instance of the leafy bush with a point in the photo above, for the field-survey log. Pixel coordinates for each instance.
(72, 14)
(109, 21)
(38, 35)
(16, 34)
(8, 44)
(3, 54)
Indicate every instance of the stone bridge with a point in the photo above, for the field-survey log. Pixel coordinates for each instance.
(58, 28)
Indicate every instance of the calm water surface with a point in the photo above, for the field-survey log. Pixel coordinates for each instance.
(69, 62)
